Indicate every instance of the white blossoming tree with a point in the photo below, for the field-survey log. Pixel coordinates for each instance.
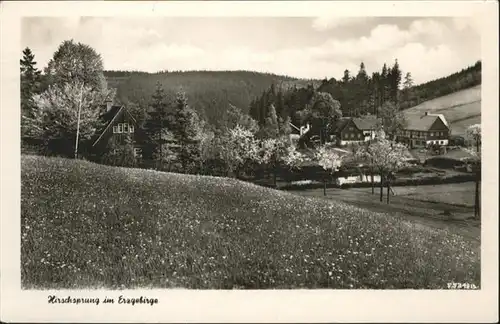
(474, 134)
(364, 154)
(292, 158)
(240, 148)
(79, 87)
(330, 161)
(274, 152)
(68, 109)
(386, 158)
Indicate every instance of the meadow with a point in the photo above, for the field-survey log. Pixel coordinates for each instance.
(85, 225)
(457, 194)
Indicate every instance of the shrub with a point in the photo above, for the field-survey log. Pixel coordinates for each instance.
(443, 162)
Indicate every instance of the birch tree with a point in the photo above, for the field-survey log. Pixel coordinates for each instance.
(77, 88)
(64, 111)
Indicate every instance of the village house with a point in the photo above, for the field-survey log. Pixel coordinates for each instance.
(297, 132)
(351, 130)
(119, 126)
(424, 130)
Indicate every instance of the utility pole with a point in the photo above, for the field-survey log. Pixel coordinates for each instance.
(78, 121)
(477, 201)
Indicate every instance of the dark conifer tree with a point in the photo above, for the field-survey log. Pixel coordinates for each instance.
(156, 127)
(186, 129)
(30, 82)
(395, 82)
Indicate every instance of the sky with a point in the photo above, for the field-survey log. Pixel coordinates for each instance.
(303, 47)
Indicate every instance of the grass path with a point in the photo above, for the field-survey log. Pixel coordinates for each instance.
(422, 212)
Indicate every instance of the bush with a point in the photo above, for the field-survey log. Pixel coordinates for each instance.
(443, 162)
(455, 140)
(399, 182)
(33, 146)
(413, 169)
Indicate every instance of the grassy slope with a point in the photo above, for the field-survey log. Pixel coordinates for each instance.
(461, 109)
(419, 208)
(87, 225)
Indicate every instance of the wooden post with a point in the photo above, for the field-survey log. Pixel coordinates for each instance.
(373, 183)
(476, 200)
(388, 189)
(324, 185)
(381, 187)
(78, 121)
(477, 203)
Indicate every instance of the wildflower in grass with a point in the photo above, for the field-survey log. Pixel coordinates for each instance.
(354, 241)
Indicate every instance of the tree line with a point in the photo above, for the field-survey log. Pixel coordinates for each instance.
(209, 91)
(64, 118)
(362, 94)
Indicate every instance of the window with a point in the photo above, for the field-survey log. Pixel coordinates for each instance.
(123, 128)
(432, 134)
(137, 151)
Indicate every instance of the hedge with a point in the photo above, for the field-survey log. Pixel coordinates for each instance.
(398, 183)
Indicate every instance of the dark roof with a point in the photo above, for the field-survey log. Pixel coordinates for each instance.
(108, 118)
(341, 123)
(365, 123)
(422, 122)
(362, 123)
(110, 114)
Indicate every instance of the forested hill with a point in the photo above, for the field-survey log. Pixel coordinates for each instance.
(466, 78)
(207, 91)
(360, 93)
(210, 92)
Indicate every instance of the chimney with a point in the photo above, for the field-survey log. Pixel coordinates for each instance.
(109, 104)
(426, 113)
